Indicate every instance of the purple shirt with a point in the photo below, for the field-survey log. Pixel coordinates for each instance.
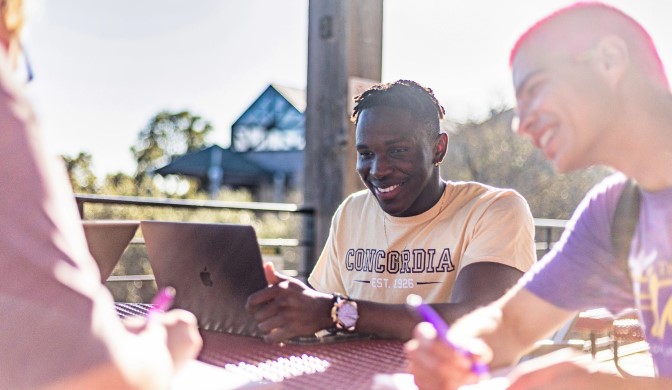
(581, 272)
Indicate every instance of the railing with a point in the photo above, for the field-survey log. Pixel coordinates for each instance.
(306, 240)
(83, 199)
(547, 230)
(550, 230)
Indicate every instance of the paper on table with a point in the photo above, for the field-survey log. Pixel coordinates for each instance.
(204, 376)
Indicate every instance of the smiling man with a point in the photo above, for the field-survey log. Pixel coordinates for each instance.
(457, 245)
(591, 89)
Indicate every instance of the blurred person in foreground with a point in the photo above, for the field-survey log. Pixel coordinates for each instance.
(459, 245)
(59, 328)
(591, 89)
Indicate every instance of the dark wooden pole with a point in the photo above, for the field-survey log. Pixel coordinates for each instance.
(344, 45)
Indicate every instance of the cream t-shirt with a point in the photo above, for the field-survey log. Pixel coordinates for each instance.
(373, 256)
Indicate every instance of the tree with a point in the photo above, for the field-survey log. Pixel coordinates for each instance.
(167, 135)
(80, 172)
(489, 152)
(122, 184)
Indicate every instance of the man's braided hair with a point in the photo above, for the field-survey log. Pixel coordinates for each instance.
(418, 100)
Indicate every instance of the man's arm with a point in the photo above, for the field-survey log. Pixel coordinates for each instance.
(288, 308)
(525, 319)
(498, 334)
(477, 285)
(501, 333)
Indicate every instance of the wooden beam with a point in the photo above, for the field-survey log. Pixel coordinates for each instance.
(344, 42)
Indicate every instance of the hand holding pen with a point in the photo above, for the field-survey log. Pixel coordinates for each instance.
(429, 315)
(161, 302)
(183, 339)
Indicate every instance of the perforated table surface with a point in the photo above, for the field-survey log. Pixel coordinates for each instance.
(342, 365)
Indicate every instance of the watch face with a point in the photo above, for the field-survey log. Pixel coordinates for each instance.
(347, 314)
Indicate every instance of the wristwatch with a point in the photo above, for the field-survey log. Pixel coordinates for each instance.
(344, 313)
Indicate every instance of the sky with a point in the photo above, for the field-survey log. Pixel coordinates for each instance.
(104, 68)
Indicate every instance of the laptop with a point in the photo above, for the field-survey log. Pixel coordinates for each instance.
(107, 241)
(213, 268)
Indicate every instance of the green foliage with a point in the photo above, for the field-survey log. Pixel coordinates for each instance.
(489, 152)
(168, 135)
(123, 184)
(148, 186)
(134, 261)
(81, 175)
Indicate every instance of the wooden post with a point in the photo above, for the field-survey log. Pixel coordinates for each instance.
(344, 42)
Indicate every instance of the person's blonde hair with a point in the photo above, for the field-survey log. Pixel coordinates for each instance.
(12, 15)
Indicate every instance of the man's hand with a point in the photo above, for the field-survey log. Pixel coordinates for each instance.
(288, 308)
(435, 365)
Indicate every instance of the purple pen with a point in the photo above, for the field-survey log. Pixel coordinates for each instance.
(429, 315)
(161, 302)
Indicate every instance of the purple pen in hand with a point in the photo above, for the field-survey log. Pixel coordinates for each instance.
(429, 315)
(161, 302)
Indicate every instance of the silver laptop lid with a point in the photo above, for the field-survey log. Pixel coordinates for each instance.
(213, 267)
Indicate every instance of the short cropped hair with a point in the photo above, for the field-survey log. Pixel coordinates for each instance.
(580, 26)
(418, 100)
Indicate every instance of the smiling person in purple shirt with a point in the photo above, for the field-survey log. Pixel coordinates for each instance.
(591, 89)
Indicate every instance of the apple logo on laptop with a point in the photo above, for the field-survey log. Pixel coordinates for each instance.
(205, 277)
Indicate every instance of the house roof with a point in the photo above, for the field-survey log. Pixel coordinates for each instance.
(276, 108)
(236, 169)
(274, 121)
(287, 161)
(267, 139)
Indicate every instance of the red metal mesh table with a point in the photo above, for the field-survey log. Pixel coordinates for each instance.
(132, 309)
(341, 365)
